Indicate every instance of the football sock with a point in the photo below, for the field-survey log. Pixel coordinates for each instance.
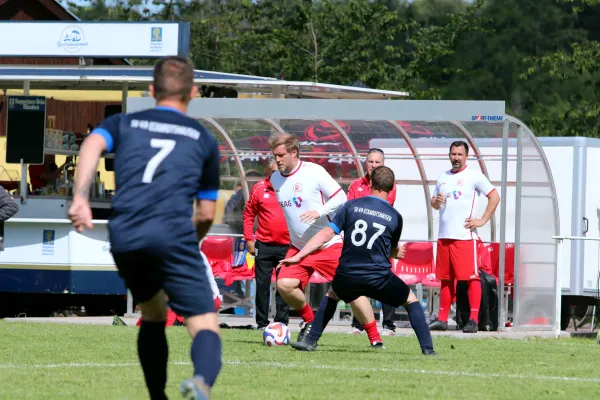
(306, 313)
(325, 312)
(206, 356)
(416, 316)
(153, 352)
(474, 299)
(372, 332)
(446, 296)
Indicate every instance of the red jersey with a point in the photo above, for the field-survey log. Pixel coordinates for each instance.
(360, 188)
(263, 204)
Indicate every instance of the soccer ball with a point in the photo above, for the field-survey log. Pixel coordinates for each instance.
(276, 334)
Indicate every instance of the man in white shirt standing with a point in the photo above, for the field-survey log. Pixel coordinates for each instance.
(455, 196)
(309, 197)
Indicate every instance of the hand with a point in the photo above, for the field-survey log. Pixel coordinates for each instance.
(250, 246)
(309, 216)
(474, 223)
(289, 261)
(401, 251)
(439, 199)
(80, 214)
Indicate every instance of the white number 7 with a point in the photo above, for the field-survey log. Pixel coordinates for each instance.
(166, 146)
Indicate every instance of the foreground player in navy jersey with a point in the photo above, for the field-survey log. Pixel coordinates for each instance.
(164, 161)
(372, 230)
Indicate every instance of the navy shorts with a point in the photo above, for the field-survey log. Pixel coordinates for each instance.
(389, 289)
(178, 269)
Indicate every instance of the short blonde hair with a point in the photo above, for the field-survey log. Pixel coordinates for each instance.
(290, 142)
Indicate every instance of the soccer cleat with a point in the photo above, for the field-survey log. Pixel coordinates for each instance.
(387, 331)
(356, 331)
(377, 345)
(304, 331)
(192, 389)
(305, 345)
(438, 325)
(470, 327)
(429, 352)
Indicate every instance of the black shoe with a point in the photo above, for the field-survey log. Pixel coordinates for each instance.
(429, 352)
(438, 325)
(470, 327)
(304, 331)
(377, 345)
(305, 345)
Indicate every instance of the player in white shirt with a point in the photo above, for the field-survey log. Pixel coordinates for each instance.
(309, 197)
(455, 196)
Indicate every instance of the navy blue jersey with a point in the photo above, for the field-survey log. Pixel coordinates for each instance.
(371, 229)
(163, 161)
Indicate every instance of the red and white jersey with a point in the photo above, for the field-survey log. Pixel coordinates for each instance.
(461, 190)
(308, 187)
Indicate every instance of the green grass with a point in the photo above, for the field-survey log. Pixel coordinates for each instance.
(343, 367)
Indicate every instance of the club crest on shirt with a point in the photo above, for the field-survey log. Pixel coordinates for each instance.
(297, 188)
(460, 182)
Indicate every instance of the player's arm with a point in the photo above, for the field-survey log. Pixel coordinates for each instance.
(483, 185)
(101, 139)
(206, 198)
(250, 212)
(314, 244)
(333, 190)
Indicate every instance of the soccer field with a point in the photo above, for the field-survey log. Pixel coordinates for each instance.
(52, 361)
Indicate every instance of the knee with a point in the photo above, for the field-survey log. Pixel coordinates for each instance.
(286, 286)
(331, 294)
(411, 298)
(197, 323)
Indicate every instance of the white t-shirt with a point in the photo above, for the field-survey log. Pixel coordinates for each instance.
(306, 188)
(461, 192)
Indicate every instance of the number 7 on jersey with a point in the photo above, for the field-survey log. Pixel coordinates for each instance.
(165, 147)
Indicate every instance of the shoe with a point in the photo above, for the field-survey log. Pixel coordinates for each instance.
(470, 327)
(377, 345)
(438, 325)
(304, 331)
(191, 390)
(356, 331)
(388, 331)
(305, 345)
(429, 352)
(261, 328)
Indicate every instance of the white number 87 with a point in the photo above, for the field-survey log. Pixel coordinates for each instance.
(360, 230)
(166, 146)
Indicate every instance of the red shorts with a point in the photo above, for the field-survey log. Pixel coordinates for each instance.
(456, 260)
(324, 261)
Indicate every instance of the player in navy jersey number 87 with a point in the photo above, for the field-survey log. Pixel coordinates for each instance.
(164, 161)
(372, 231)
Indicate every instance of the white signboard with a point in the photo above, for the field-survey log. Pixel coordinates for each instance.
(87, 39)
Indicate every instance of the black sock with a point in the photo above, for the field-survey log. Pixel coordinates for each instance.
(324, 314)
(419, 325)
(206, 356)
(153, 352)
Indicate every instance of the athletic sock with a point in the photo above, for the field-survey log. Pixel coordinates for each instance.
(306, 313)
(474, 299)
(324, 314)
(416, 316)
(372, 332)
(446, 296)
(153, 352)
(206, 356)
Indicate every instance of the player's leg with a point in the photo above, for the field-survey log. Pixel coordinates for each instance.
(395, 292)
(291, 282)
(142, 275)
(190, 295)
(443, 272)
(361, 307)
(324, 314)
(357, 327)
(464, 259)
(389, 312)
(282, 309)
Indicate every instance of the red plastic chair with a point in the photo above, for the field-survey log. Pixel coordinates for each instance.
(509, 264)
(219, 252)
(417, 263)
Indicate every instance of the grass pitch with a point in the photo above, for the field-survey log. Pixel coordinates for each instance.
(52, 361)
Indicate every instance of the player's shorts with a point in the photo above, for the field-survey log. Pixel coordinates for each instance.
(456, 260)
(389, 289)
(178, 269)
(324, 261)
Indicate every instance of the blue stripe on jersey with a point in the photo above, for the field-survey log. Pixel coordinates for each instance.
(107, 137)
(335, 228)
(208, 195)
